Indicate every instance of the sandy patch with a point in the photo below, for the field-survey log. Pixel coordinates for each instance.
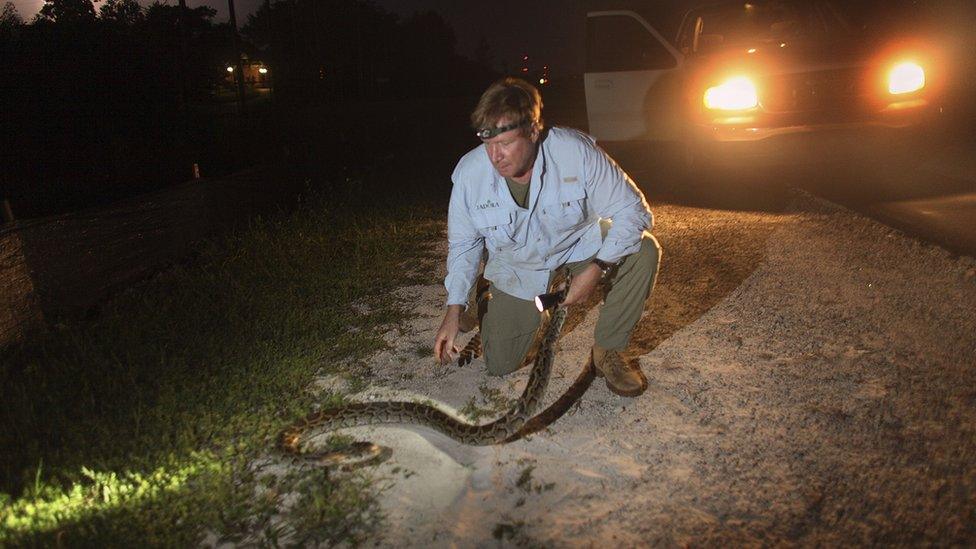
(826, 395)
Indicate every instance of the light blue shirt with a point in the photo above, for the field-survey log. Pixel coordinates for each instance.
(574, 185)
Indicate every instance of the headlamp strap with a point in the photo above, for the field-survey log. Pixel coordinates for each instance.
(488, 133)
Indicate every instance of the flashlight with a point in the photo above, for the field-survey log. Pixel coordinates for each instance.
(554, 299)
(550, 300)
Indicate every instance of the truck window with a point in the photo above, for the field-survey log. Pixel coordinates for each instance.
(735, 25)
(621, 43)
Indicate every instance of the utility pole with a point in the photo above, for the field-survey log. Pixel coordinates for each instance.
(183, 140)
(271, 53)
(239, 66)
(182, 64)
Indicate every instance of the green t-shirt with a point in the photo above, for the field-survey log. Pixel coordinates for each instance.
(519, 192)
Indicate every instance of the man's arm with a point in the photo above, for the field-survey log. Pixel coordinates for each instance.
(464, 250)
(465, 245)
(444, 348)
(612, 194)
(582, 285)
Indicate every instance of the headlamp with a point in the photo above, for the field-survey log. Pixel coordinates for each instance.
(906, 77)
(488, 133)
(734, 94)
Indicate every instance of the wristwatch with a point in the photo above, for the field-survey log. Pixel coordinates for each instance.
(604, 266)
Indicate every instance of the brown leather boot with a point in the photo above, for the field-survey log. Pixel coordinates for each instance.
(622, 377)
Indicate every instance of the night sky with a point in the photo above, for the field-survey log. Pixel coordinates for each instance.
(547, 30)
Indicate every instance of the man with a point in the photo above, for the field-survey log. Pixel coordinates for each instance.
(539, 199)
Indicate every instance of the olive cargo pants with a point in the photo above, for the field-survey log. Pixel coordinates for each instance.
(509, 324)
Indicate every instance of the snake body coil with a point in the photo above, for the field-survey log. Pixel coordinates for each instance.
(501, 430)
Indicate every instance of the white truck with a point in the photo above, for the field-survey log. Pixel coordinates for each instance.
(752, 82)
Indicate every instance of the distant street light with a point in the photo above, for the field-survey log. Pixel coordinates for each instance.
(230, 69)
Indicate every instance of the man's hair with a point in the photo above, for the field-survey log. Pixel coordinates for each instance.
(509, 97)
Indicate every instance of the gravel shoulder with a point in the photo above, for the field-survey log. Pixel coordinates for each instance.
(812, 381)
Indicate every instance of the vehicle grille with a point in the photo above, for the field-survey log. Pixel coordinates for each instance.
(835, 90)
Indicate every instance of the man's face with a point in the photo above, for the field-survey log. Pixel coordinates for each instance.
(512, 153)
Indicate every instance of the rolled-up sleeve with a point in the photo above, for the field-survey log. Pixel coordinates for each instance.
(465, 245)
(612, 194)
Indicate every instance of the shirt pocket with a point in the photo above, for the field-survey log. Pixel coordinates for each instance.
(497, 228)
(567, 209)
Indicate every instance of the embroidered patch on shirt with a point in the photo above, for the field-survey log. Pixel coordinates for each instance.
(570, 179)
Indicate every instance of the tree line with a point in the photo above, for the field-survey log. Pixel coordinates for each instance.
(104, 99)
(341, 49)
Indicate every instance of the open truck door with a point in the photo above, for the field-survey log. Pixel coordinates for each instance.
(631, 79)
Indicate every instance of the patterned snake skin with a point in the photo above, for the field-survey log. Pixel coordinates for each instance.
(498, 431)
(470, 351)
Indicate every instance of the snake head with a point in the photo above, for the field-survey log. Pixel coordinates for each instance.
(560, 280)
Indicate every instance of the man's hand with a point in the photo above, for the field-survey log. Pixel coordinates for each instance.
(581, 285)
(444, 349)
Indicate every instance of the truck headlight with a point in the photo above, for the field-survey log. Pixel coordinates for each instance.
(735, 94)
(906, 77)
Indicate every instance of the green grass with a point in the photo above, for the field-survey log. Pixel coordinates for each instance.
(142, 425)
(492, 403)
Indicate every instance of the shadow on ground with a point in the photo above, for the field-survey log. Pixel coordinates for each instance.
(697, 269)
